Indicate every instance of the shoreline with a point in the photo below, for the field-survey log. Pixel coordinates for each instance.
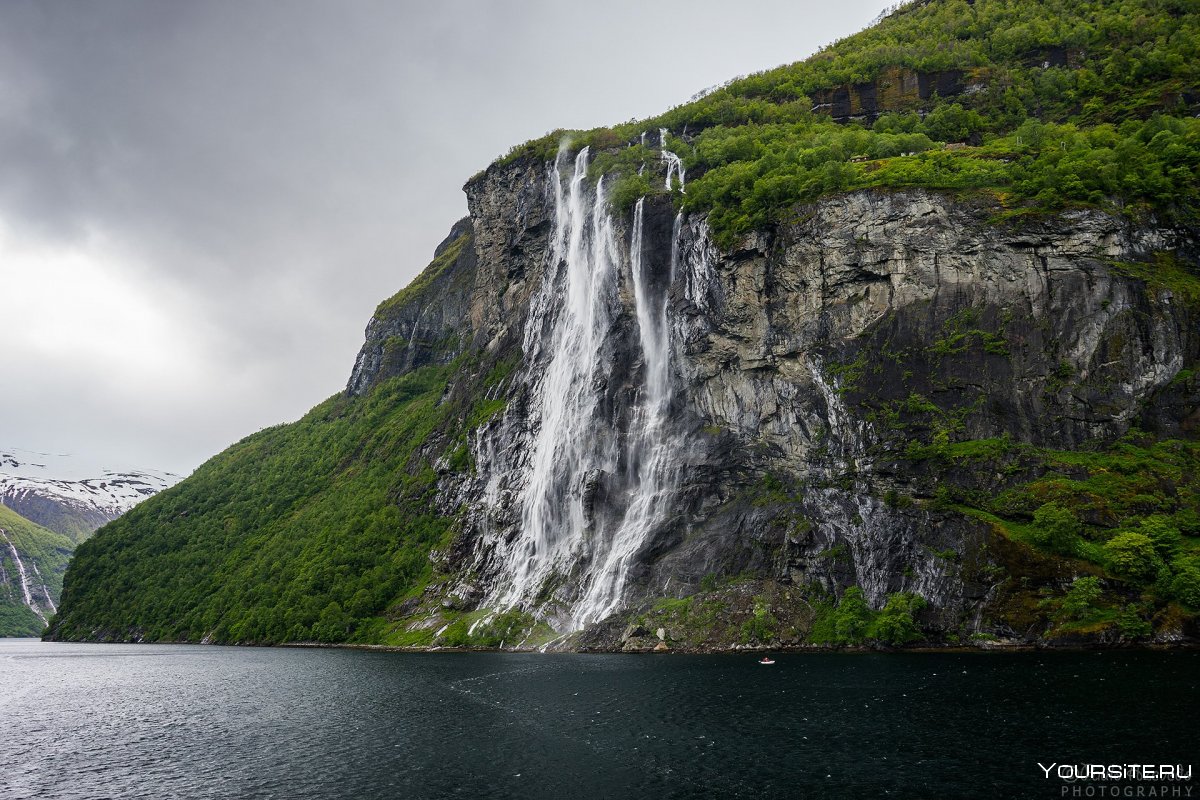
(990, 647)
(759, 650)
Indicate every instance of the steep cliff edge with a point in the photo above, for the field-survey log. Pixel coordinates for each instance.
(741, 375)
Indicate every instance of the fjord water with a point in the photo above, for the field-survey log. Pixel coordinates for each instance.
(117, 721)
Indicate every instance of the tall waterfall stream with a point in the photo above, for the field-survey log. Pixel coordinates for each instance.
(574, 447)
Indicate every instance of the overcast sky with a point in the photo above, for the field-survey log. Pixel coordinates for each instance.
(202, 202)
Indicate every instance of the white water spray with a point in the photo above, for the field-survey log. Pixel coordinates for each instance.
(45, 588)
(651, 448)
(697, 265)
(572, 445)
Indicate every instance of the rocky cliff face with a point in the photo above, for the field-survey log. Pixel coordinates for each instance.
(422, 324)
(805, 371)
(897, 89)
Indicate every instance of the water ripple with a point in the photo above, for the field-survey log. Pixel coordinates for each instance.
(137, 721)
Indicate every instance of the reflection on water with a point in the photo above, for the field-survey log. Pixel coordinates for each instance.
(88, 721)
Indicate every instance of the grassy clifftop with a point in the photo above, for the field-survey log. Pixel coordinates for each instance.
(1046, 105)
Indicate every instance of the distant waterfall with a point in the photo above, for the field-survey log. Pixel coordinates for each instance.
(45, 589)
(24, 577)
(573, 453)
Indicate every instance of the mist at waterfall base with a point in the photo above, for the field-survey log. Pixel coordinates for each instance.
(118, 721)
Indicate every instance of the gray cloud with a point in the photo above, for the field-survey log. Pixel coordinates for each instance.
(266, 172)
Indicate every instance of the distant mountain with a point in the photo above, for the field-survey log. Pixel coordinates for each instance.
(32, 562)
(70, 495)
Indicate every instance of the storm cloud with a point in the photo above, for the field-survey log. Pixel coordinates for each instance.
(201, 203)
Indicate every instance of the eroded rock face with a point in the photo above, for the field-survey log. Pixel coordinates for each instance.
(428, 326)
(896, 89)
(875, 301)
(872, 274)
(805, 360)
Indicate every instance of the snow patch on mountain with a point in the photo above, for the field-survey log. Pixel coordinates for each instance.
(76, 482)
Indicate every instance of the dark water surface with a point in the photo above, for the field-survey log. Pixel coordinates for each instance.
(101, 721)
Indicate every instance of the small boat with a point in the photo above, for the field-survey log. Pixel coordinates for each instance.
(766, 660)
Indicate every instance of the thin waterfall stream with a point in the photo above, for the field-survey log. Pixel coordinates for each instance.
(674, 162)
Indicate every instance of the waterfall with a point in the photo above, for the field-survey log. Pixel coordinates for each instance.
(697, 263)
(674, 162)
(12, 549)
(568, 452)
(409, 358)
(651, 449)
(572, 445)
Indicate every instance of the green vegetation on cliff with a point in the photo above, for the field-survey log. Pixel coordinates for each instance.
(1046, 104)
(1126, 513)
(1131, 510)
(299, 532)
(442, 262)
(1037, 166)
